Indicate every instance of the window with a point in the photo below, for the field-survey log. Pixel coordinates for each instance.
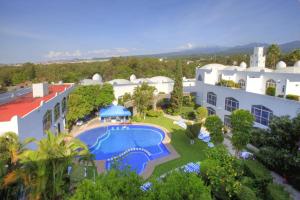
(231, 104)
(262, 114)
(242, 83)
(200, 77)
(212, 98)
(227, 121)
(270, 83)
(211, 111)
(64, 104)
(283, 88)
(56, 111)
(47, 120)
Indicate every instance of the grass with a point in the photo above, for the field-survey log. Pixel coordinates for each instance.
(188, 152)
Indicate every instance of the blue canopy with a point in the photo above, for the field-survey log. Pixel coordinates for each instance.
(114, 111)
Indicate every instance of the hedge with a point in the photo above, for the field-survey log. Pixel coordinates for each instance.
(292, 97)
(277, 192)
(270, 91)
(246, 194)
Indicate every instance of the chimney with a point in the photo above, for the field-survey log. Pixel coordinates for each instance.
(40, 89)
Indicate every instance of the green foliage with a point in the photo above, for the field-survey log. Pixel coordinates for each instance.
(192, 131)
(177, 186)
(86, 99)
(246, 193)
(177, 93)
(271, 91)
(137, 118)
(292, 57)
(259, 172)
(222, 172)
(214, 125)
(272, 56)
(201, 113)
(277, 192)
(188, 100)
(228, 83)
(241, 124)
(125, 98)
(143, 98)
(188, 113)
(155, 113)
(293, 97)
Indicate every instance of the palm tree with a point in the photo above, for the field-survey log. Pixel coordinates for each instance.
(44, 171)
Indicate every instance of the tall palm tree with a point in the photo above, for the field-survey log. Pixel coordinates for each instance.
(44, 170)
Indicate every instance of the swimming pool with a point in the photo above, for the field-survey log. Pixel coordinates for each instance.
(126, 146)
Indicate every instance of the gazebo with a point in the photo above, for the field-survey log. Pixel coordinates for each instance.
(114, 113)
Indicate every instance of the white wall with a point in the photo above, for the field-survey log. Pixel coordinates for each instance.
(292, 87)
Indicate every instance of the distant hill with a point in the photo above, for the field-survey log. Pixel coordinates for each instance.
(221, 50)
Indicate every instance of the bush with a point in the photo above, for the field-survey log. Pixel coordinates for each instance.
(188, 115)
(228, 83)
(277, 192)
(188, 101)
(292, 97)
(154, 113)
(259, 172)
(214, 125)
(257, 137)
(246, 193)
(137, 118)
(270, 91)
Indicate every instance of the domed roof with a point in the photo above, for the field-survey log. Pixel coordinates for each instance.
(160, 79)
(132, 77)
(97, 77)
(213, 66)
(280, 65)
(243, 65)
(297, 64)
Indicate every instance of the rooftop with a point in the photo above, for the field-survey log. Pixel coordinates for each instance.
(24, 104)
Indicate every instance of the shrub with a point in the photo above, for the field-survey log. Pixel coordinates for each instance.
(259, 172)
(189, 115)
(277, 192)
(246, 193)
(292, 97)
(228, 83)
(214, 125)
(137, 118)
(201, 114)
(155, 113)
(188, 100)
(270, 91)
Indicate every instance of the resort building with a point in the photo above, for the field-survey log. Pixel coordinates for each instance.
(33, 113)
(262, 91)
(162, 84)
(96, 80)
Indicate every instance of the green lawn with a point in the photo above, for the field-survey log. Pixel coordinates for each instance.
(181, 143)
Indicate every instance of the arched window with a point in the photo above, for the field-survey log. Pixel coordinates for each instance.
(47, 120)
(270, 83)
(64, 104)
(200, 78)
(262, 114)
(211, 111)
(242, 83)
(212, 98)
(56, 111)
(231, 104)
(227, 121)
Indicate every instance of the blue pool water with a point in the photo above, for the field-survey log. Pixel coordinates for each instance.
(131, 146)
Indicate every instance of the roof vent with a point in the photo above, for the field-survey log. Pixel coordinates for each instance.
(40, 89)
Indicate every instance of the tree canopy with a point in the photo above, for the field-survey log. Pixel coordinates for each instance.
(143, 98)
(273, 56)
(177, 93)
(214, 125)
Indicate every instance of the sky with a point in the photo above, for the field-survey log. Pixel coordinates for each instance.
(41, 30)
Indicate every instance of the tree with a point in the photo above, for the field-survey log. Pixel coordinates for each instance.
(201, 114)
(177, 93)
(178, 185)
(292, 57)
(214, 125)
(43, 171)
(273, 55)
(241, 124)
(192, 131)
(143, 98)
(112, 185)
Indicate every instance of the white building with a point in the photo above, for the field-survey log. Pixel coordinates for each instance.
(162, 84)
(251, 95)
(33, 113)
(96, 80)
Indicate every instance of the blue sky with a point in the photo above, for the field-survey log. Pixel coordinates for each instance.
(39, 30)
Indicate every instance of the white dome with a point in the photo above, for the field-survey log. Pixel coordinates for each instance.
(97, 77)
(132, 77)
(297, 64)
(160, 79)
(243, 65)
(280, 65)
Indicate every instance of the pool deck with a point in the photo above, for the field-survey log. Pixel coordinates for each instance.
(95, 123)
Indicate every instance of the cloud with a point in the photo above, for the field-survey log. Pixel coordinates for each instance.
(89, 54)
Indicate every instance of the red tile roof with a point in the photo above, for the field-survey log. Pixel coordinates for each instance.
(26, 103)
